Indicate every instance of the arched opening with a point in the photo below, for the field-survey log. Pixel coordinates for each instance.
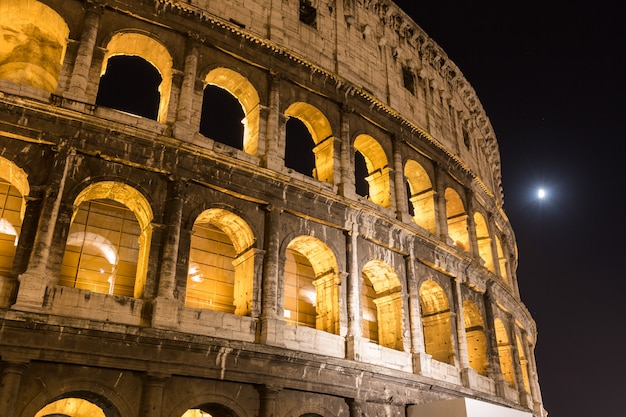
(222, 117)
(377, 169)
(13, 188)
(502, 262)
(476, 338)
(311, 285)
(139, 45)
(34, 40)
(381, 298)
(484, 241)
(457, 220)
(210, 410)
(309, 142)
(79, 404)
(108, 241)
(361, 185)
(505, 353)
(299, 147)
(436, 322)
(221, 263)
(248, 99)
(523, 364)
(421, 195)
(130, 84)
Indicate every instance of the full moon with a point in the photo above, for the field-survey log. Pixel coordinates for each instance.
(541, 193)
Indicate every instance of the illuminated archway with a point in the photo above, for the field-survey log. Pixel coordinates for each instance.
(71, 407)
(484, 241)
(108, 242)
(457, 220)
(34, 40)
(221, 263)
(377, 169)
(13, 188)
(244, 91)
(476, 338)
(381, 297)
(505, 353)
(502, 262)
(210, 410)
(319, 128)
(136, 44)
(311, 295)
(436, 322)
(421, 195)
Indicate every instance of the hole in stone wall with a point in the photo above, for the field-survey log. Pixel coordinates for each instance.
(221, 117)
(130, 84)
(299, 145)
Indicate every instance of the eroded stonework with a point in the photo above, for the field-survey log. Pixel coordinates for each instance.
(151, 266)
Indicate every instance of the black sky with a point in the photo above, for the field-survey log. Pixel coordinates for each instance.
(551, 78)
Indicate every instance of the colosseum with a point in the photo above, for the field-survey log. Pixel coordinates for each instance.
(248, 208)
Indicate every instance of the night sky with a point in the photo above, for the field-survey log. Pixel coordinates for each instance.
(551, 78)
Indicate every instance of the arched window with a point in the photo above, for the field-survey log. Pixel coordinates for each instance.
(476, 338)
(311, 285)
(34, 40)
(457, 220)
(421, 196)
(484, 241)
(436, 322)
(222, 117)
(130, 84)
(108, 242)
(79, 404)
(309, 142)
(502, 262)
(505, 353)
(377, 169)
(13, 188)
(221, 263)
(139, 45)
(381, 298)
(239, 87)
(210, 410)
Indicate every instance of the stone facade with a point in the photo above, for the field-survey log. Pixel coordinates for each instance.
(148, 269)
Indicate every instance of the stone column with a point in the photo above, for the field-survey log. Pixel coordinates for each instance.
(517, 363)
(421, 360)
(10, 384)
(274, 155)
(153, 395)
(268, 395)
(33, 282)
(182, 127)
(460, 330)
(82, 65)
(346, 185)
(471, 225)
(271, 331)
(356, 407)
(440, 204)
(495, 370)
(353, 282)
(402, 203)
(165, 309)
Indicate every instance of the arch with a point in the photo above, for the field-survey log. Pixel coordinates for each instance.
(382, 301)
(321, 133)
(109, 240)
(34, 41)
(505, 352)
(421, 195)
(221, 117)
(504, 265)
(221, 263)
(71, 407)
(13, 188)
(311, 285)
(213, 402)
(377, 169)
(484, 241)
(476, 338)
(239, 86)
(137, 44)
(436, 322)
(209, 410)
(457, 220)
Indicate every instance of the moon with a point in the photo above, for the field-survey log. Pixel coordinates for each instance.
(541, 193)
